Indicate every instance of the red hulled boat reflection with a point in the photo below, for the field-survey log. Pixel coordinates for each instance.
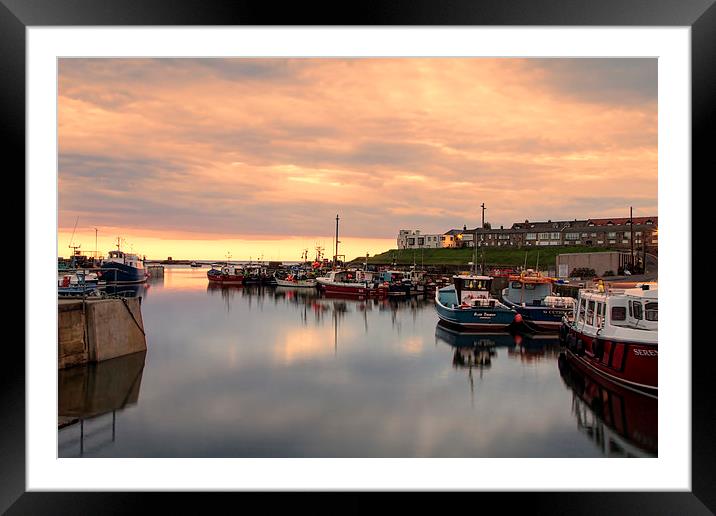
(623, 422)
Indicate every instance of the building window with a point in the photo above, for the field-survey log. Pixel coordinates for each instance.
(411, 241)
(611, 235)
(421, 241)
(572, 236)
(612, 241)
(531, 236)
(544, 236)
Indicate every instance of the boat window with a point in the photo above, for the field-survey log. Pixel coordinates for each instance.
(473, 284)
(637, 309)
(529, 286)
(600, 314)
(651, 312)
(516, 285)
(590, 313)
(582, 307)
(618, 313)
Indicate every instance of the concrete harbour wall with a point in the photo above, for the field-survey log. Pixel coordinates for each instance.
(98, 330)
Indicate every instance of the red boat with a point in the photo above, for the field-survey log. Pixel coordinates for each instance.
(226, 275)
(615, 334)
(358, 284)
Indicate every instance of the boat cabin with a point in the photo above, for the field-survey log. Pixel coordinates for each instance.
(634, 309)
(469, 288)
(392, 276)
(125, 258)
(528, 291)
(350, 276)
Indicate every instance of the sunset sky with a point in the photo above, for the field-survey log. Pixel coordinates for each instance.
(194, 158)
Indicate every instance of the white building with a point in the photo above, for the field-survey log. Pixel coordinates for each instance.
(414, 239)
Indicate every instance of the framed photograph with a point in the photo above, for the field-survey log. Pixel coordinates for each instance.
(412, 250)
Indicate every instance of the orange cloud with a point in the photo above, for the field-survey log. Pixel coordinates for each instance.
(204, 150)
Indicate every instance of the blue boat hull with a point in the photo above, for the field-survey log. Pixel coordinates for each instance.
(539, 317)
(476, 318)
(121, 273)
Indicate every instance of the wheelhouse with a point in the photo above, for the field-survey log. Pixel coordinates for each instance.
(634, 309)
(471, 287)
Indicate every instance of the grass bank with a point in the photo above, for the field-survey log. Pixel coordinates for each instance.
(493, 256)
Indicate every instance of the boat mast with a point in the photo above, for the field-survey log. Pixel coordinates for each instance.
(335, 257)
(72, 241)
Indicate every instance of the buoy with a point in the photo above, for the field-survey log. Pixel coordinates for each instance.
(518, 318)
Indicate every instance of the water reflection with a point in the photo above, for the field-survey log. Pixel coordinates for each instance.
(534, 348)
(93, 390)
(263, 371)
(620, 421)
(131, 290)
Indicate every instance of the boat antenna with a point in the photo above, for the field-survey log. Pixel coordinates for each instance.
(335, 258)
(537, 267)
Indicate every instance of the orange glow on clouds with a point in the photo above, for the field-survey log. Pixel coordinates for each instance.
(193, 157)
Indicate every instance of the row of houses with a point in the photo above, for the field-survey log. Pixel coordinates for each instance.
(605, 232)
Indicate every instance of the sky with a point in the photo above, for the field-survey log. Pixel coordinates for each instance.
(197, 158)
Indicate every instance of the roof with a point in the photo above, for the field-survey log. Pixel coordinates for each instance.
(549, 225)
(454, 232)
(619, 221)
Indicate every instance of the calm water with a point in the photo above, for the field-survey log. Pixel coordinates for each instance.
(273, 372)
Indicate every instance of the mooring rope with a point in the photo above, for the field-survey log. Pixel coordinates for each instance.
(126, 305)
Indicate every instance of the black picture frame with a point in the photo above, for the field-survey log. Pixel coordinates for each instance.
(699, 15)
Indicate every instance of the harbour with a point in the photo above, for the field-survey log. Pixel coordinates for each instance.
(235, 363)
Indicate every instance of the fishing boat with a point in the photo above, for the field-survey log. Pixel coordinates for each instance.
(396, 282)
(225, 274)
(467, 303)
(120, 267)
(79, 283)
(297, 280)
(531, 295)
(254, 274)
(352, 283)
(194, 264)
(614, 333)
